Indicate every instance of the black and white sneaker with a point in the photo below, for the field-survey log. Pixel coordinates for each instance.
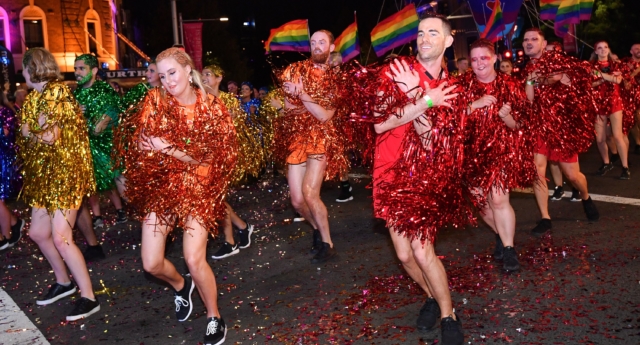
(604, 169)
(245, 236)
(4, 244)
(98, 222)
(226, 251)
(121, 216)
(56, 292)
(216, 331)
(184, 306)
(558, 193)
(297, 217)
(626, 174)
(16, 232)
(84, 307)
(345, 193)
(575, 195)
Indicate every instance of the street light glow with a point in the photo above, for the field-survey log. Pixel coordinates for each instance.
(224, 19)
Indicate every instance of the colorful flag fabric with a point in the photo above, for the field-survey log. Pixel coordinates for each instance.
(292, 37)
(568, 13)
(586, 7)
(348, 43)
(394, 31)
(495, 24)
(482, 11)
(548, 9)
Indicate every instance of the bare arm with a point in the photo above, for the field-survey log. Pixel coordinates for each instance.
(102, 124)
(162, 146)
(505, 115)
(318, 111)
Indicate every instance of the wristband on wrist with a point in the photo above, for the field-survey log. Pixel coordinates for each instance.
(531, 82)
(428, 100)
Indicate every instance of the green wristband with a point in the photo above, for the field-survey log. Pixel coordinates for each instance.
(428, 100)
(531, 82)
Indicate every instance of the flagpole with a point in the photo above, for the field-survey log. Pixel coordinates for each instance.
(309, 35)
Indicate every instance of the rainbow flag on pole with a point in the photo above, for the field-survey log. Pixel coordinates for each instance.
(586, 7)
(348, 43)
(495, 25)
(548, 9)
(290, 37)
(568, 13)
(394, 31)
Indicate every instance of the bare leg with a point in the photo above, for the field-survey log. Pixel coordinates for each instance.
(405, 254)
(295, 177)
(601, 138)
(311, 184)
(578, 180)
(41, 234)
(85, 225)
(195, 250)
(504, 216)
(435, 274)
(228, 227)
(115, 199)
(235, 219)
(6, 218)
(154, 236)
(619, 137)
(94, 201)
(121, 185)
(556, 173)
(540, 186)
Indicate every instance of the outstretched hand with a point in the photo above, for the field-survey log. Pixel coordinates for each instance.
(294, 88)
(440, 95)
(403, 75)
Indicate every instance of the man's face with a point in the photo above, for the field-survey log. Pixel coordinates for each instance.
(635, 51)
(233, 88)
(463, 65)
(533, 44)
(83, 73)
(432, 40)
(321, 47)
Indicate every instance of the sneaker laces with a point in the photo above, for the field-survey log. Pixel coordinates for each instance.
(212, 327)
(180, 302)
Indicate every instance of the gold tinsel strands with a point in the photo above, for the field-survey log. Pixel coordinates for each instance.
(57, 176)
(165, 185)
(268, 114)
(250, 153)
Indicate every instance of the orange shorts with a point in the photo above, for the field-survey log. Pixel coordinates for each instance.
(300, 152)
(553, 155)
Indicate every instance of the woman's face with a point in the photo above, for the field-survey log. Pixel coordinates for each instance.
(245, 91)
(174, 76)
(482, 61)
(602, 50)
(506, 67)
(152, 74)
(209, 78)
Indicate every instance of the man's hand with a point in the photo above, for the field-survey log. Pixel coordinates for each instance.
(406, 78)
(440, 95)
(565, 79)
(25, 130)
(276, 103)
(484, 101)
(505, 110)
(294, 88)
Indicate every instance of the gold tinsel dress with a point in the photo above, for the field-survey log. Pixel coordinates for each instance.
(57, 176)
(165, 185)
(268, 115)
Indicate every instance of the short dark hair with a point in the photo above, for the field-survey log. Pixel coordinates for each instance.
(460, 59)
(507, 61)
(232, 82)
(446, 24)
(537, 30)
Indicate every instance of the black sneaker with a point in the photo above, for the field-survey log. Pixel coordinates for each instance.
(345, 194)
(4, 244)
(93, 253)
(543, 226)
(498, 252)
(16, 232)
(615, 158)
(590, 210)
(226, 251)
(56, 292)
(511, 263)
(451, 331)
(317, 242)
(121, 216)
(184, 306)
(325, 253)
(84, 307)
(558, 193)
(626, 174)
(297, 217)
(98, 222)
(216, 331)
(429, 315)
(604, 169)
(637, 149)
(245, 236)
(575, 195)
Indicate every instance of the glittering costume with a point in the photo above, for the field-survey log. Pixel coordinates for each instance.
(298, 134)
(496, 156)
(562, 115)
(101, 100)
(268, 115)
(165, 185)
(612, 97)
(10, 179)
(135, 95)
(250, 153)
(58, 176)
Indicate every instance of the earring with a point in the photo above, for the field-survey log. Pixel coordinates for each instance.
(190, 80)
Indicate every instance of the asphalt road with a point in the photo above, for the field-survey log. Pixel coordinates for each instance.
(578, 285)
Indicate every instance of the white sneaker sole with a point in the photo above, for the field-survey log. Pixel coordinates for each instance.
(82, 316)
(219, 341)
(345, 200)
(60, 296)
(193, 285)
(250, 230)
(300, 219)
(226, 255)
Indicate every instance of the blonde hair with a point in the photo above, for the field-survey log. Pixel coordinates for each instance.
(41, 65)
(215, 69)
(184, 60)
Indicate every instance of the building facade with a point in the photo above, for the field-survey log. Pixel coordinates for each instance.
(67, 28)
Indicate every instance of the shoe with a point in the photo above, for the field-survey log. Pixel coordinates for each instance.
(98, 222)
(16, 232)
(298, 218)
(4, 244)
(451, 331)
(575, 195)
(626, 174)
(325, 253)
(93, 253)
(84, 307)
(498, 252)
(558, 193)
(245, 236)
(317, 242)
(637, 149)
(216, 331)
(604, 169)
(615, 158)
(590, 210)
(121, 216)
(543, 226)
(56, 292)
(184, 306)
(511, 263)
(226, 251)
(345, 193)
(429, 315)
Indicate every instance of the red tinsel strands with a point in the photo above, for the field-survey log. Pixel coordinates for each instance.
(165, 185)
(563, 115)
(496, 156)
(611, 97)
(299, 130)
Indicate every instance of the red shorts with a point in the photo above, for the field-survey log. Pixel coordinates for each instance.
(553, 155)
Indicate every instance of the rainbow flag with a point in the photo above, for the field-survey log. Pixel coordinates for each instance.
(482, 10)
(586, 7)
(394, 31)
(495, 25)
(568, 13)
(548, 9)
(348, 43)
(290, 37)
